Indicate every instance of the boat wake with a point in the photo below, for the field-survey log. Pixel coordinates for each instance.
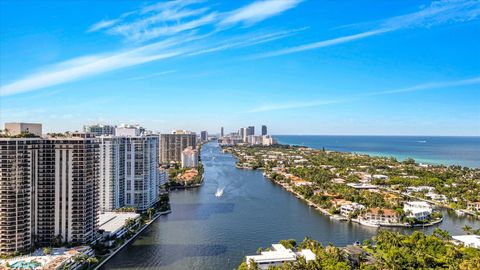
(219, 192)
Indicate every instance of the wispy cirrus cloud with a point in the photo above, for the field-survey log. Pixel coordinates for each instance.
(156, 20)
(178, 21)
(258, 11)
(413, 88)
(429, 86)
(169, 18)
(439, 12)
(90, 65)
(102, 25)
(153, 75)
(81, 67)
(293, 105)
(321, 44)
(245, 41)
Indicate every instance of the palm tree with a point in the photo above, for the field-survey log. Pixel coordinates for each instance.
(129, 222)
(91, 260)
(467, 229)
(150, 213)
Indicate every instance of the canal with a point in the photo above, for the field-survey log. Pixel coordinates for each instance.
(206, 232)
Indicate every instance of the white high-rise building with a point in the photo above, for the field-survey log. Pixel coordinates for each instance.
(129, 170)
(141, 171)
(112, 172)
(189, 158)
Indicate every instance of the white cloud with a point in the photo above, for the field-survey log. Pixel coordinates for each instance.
(258, 11)
(246, 41)
(439, 12)
(81, 67)
(293, 105)
(428, 86)
(165, 30)
(102, 25)
(153, 75)
(182, 21)
(324, 43)
(414, 88)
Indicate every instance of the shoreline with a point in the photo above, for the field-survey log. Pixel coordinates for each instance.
(342, 218)
(339, 217)
(387, 155)
(112, 254)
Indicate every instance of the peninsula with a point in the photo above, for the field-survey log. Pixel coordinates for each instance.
(372, 191)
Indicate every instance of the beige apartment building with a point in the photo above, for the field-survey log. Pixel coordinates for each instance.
(172, 146)
(15, 129)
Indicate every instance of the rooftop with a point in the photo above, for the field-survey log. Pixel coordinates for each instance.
(468, 240)
(112, 221)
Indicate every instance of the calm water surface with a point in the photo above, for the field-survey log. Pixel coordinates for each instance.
(205, 232)
(464, 151)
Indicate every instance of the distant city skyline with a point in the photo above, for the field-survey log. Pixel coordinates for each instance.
(396, 68)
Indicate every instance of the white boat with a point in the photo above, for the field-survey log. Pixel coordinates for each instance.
(219, 192)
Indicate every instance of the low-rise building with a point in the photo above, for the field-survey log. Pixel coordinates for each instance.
(279, 255)
(362, 186)
(468, 240)
(474, 206)
(418, 210)
(114, 224)
(381, 216)
(347, 209)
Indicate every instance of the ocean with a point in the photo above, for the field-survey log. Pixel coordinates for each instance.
(463, 151)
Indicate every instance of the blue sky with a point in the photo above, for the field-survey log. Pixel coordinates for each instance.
(300, 67)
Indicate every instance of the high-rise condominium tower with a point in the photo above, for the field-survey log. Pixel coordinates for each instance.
(172, 145)
(17, 173)
(112, 172)
(129, 169)
(141, 171)
(48, 189)
(250, 130)
(264, 130)
(204, 136)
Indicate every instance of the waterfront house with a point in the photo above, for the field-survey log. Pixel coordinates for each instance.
(340, 202)
(338, 180)
(347, 209)
(362, 186)
(418, 210)
(420, 189)
(380, 216)
(436, 197)
(279, 255)
(474, 206)
(380, 177)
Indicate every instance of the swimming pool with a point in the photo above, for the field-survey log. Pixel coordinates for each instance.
(25, 265)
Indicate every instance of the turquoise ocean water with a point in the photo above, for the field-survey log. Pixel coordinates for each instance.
(463, 151)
